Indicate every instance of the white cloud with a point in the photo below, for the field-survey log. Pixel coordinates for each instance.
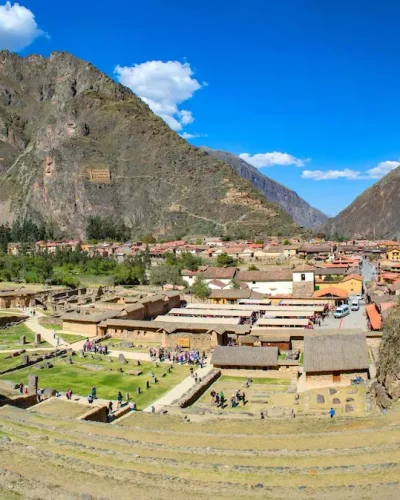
(18, 27)
(383, 168)
(324, 175)
(163, 86)
(187, 135)
(275, 158)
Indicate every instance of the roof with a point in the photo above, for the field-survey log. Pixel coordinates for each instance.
(316, 248)
(304, 268)
(281, 321)
(188, 319)
(340, 352)
(374, 317)
(333, 271)
(331, 291)
(222, 273)
(278, 275)
(235, 294)
(91, 318)
(353, 277)
(217, 283)
(231, 313)
(245, 356)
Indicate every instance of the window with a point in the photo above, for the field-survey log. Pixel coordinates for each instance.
(303, 277)
(254, 282)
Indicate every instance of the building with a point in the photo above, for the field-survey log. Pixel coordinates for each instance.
(335, 296)
(223, 274)
(335, 358)
(303, 281)
(233, 295)
(394, 254)
(279, 282)
(249, 358)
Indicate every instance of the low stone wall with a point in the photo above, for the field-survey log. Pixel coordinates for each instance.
(120, 413)
(7, 321)
(199, 389)
(24, 401)
(97, 414)
(39, 359)
(281, 372)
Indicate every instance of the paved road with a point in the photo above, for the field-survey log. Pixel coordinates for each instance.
(356, 319)
(368, 271)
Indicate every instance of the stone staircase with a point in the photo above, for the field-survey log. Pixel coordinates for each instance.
(165, 456)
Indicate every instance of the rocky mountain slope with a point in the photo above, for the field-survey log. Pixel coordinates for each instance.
(74, 143)
(375, 213)
(302, 213)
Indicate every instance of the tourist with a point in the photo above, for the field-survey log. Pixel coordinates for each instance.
(332, 412)
(196, 379)
(132, 406)
(110, 407)
(58, 341)
(54, 334)
(233, 401)
(69, 394)
(222, 398)
(217, 400)
(191, 371)
(21, 388)
(213, 394)
(119, 400)
(90, 399)
(262, 416)
(39, 395)
(243, 398)
(94, 391)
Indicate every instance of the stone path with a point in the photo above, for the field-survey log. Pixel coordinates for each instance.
(179, 390)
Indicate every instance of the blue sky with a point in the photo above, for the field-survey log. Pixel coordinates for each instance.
(310, 87)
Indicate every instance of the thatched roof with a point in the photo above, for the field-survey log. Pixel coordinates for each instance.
(341, 352)
(235, 294)
(245, 356)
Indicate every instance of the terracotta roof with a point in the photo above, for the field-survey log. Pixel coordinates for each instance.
(340, 352)
(217, 283)
(235, 294)
(226, 273)
(331, 291)
(353, 277)
(374, 317)
(278, 275)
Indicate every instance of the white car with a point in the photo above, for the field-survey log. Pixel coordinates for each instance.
(359, 296)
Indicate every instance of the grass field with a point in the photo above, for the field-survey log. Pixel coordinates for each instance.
(6, 364)
(57, 328)
(108, 381)
(145, 346)
(71, 338)
(10, 337)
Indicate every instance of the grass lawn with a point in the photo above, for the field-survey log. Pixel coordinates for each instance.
(10, 338)
(145, 345)
(6, 364)
(242, 380)
(80, 379)
(70, 337)
(57, 328)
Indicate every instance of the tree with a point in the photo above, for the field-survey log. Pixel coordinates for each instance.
(225, 260)
(252, 267)
(164, 274)
(234, 284)
(200, 288)
(286, 242)
(259, 242)
(149, 238)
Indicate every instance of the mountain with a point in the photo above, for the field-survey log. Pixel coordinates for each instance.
(74, 144)
(302, 213)
(374, 214)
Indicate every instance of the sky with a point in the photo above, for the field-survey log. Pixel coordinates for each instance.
(306, 91)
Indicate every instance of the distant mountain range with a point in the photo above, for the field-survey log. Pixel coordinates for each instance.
(373, 214)
(302, 213)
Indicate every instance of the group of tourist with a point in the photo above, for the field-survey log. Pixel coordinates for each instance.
(89, 346)
(220, 400)
(193, 357)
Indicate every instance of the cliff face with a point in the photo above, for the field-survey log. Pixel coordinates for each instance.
(374, 214)
(74, 143)
(302, 213)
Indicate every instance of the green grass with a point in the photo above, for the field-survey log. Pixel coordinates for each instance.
(10, 337)
(6, 364)
(71, 337)
(256, 380)
(52, 327)
(108, 383)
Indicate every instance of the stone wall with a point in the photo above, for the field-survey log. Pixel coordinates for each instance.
(298, 344)
(328, 377)
(200, 341)
(280, 372)
(303, 288)
(97, 414)
(6, 321)
(134, 335)
(85, 329)
(23, 401)
(199, 389)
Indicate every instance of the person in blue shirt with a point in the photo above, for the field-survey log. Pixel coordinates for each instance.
(332, 412)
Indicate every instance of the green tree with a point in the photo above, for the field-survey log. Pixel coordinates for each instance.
(234, 284)
(286, 242)
(252, 267)
(225, 260)
(165, 274)
(200, 289)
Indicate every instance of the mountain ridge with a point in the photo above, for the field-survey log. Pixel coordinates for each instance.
(303, 214)
(74, 143)
(375, 213)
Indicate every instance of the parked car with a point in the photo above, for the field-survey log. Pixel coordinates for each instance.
(342, 311)
(355, 305)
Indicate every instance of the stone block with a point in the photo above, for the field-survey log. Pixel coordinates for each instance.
(126, 345)
(134, 372)
(26, 360)
(138, 390)
(32, 383)
(22, 340)
(349, 400)
(38, 338)
(332, 391)
(122, 359)
(348, 408)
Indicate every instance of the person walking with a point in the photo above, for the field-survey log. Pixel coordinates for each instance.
(332, 412)
(119, 400)
(94, 391)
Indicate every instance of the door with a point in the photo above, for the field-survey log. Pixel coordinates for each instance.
(336, 377)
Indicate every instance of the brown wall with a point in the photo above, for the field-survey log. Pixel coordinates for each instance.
(24, 401)
(97, 414)
(123, 333)
(85, 329)
(344, 376)
(282, 346)
(200, 341)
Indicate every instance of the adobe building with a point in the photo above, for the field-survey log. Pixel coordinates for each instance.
(336, 358)
(17, 298)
